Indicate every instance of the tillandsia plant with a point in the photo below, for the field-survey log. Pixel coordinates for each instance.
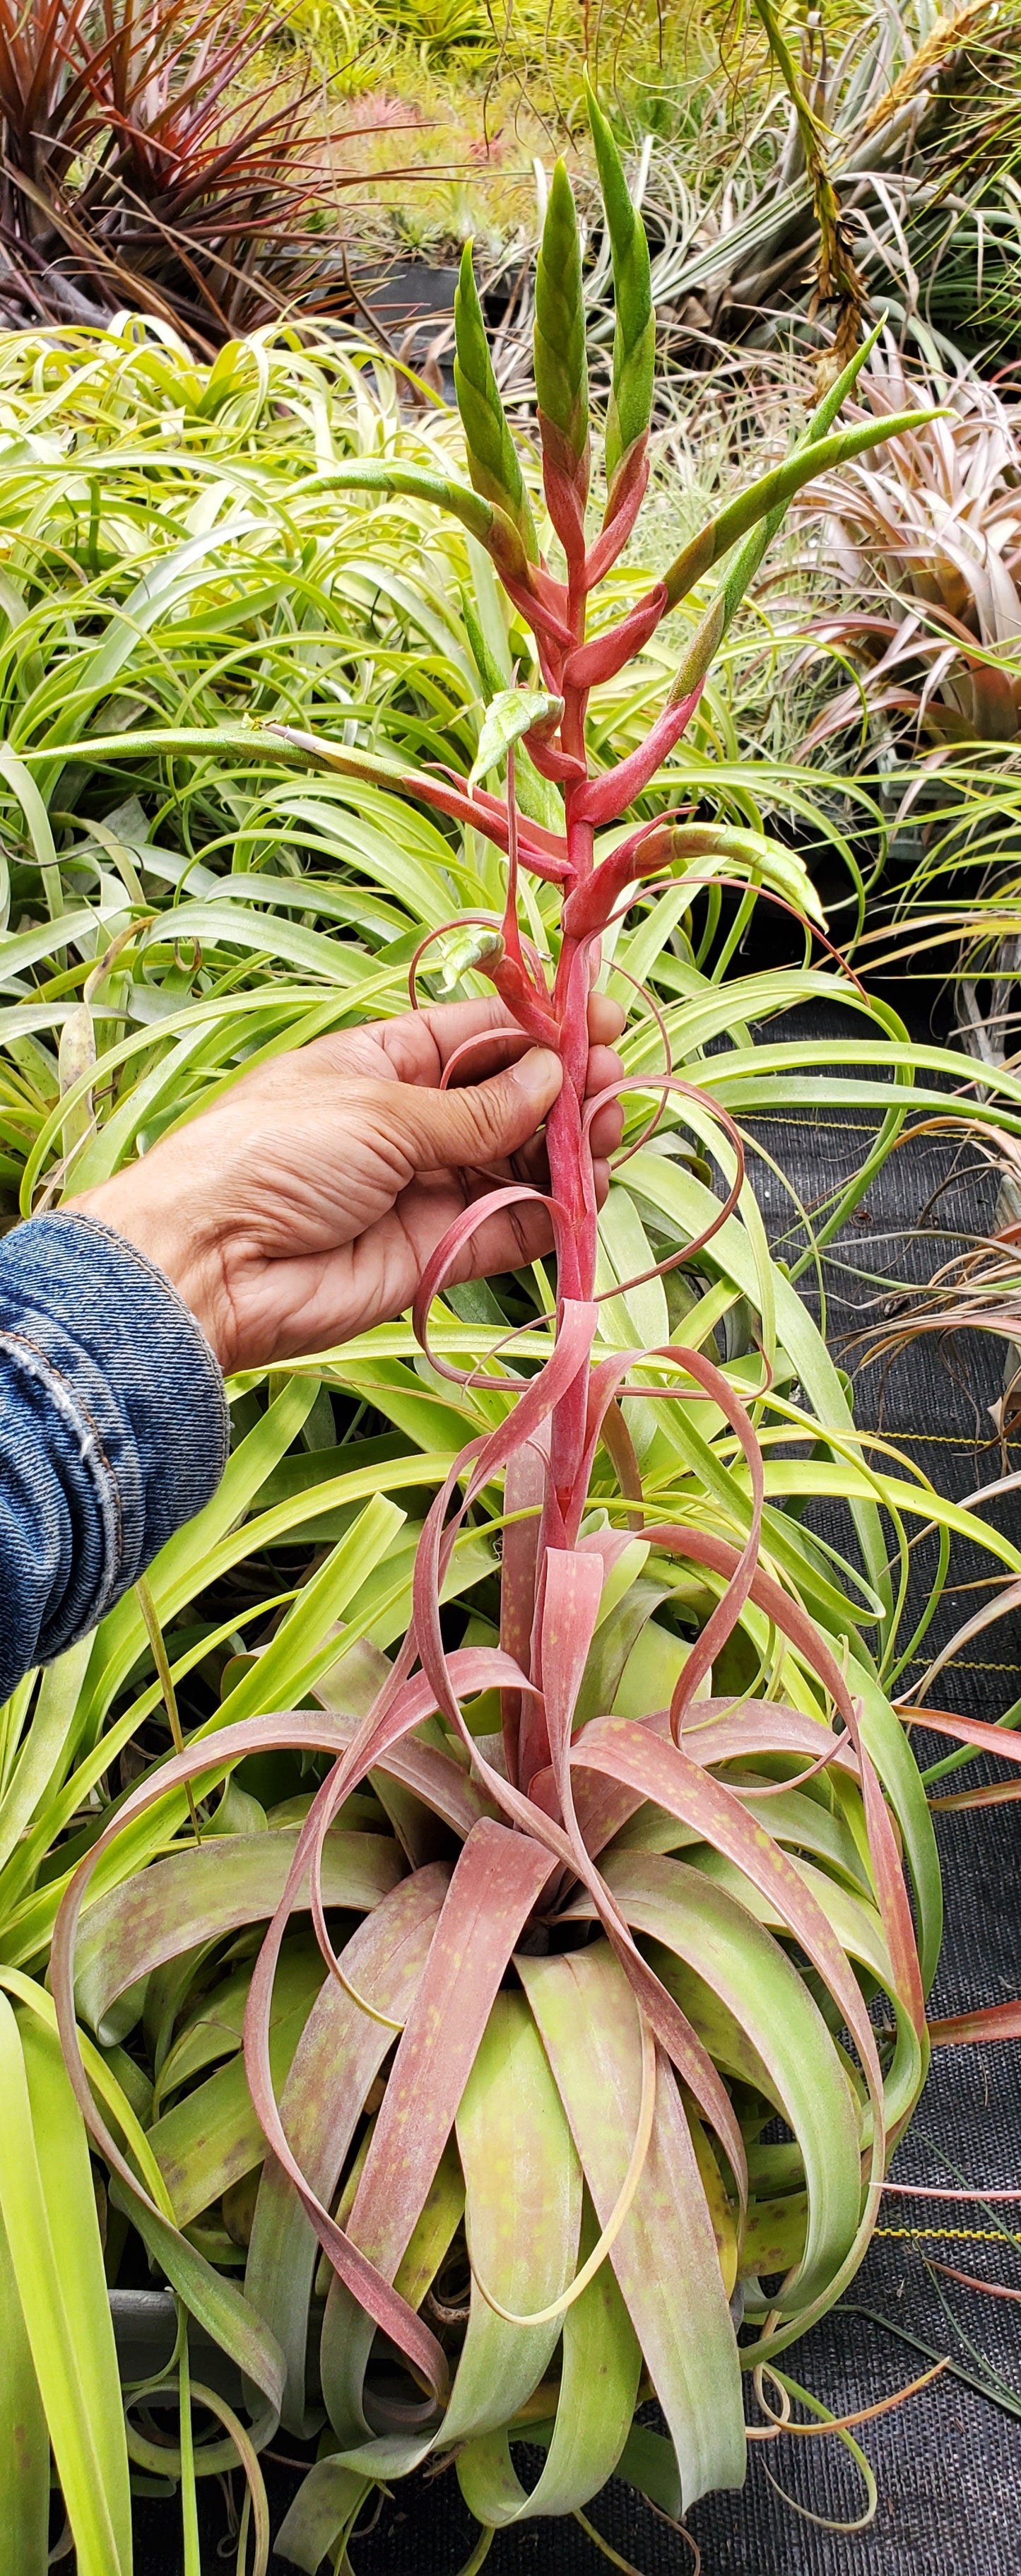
(625, 1879)
(926, 546)
(138, 168)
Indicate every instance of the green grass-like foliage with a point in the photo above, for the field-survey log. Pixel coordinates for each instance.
(198, 562)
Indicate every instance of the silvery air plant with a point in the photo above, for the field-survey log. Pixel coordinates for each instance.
(516, 2184)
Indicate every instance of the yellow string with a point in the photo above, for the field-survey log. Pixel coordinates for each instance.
(958, 2235)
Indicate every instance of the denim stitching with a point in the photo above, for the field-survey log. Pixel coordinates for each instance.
(38, 1364)
(151, 1271)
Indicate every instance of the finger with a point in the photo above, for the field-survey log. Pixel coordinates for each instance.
(604, 1069)
(448, 1026)
(451, 1024)
(413, 1047)
(479, 1125)
(607, 1129)
(606, 1020)
(417, 1045)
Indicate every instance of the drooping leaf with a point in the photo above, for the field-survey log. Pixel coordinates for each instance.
(339, 2053)
(494, 1886)
(675, 2298)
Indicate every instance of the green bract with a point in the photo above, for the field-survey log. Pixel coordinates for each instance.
(492, 455)
(561, 370)
(634, 344)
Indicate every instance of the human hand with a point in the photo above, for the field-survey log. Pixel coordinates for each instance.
(304, 1206)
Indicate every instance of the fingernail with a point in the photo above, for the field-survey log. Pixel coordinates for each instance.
(541, 1071)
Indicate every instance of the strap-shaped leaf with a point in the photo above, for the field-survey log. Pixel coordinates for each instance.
(24, 2440)
(215, 2026)
(183, 1564)
(48, 2210)
(599, 2379)
(665, 2257)
(199, 1895)
(212, 2138)
(766, 502)
(693, 1917)
(665, 1772)
(504, 529)
(340, 2050)
(859, 1932)
(325, 2510)
(496, 1883)
(523, 2217)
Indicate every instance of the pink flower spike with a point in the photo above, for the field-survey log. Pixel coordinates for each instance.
(524, 1488)
(657, 835)
(545, 613)
(592, 904)
(531, 1013)
(531, 966)
(674, 1082)
(607, 797)
(535, 1403)
(543, 850)
(573, 1589)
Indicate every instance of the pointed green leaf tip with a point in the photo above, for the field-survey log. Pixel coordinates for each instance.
(492, 455)
(634, 342)
(561, 370)
(511, 714)
(474, 946)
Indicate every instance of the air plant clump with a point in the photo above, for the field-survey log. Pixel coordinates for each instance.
(926, 545)
(515, 2168)
(135, 171)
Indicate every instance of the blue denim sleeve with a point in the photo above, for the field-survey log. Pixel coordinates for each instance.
(113, 1429)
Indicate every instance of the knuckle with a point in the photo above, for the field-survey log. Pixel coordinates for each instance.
(485, 1117)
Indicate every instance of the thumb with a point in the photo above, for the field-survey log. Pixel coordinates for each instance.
(485, 1121)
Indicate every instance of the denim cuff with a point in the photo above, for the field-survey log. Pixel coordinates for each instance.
(115, 1396)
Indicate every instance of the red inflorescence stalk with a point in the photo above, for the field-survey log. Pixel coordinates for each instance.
(557, 1474)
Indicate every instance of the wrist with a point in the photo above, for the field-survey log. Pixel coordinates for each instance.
(159, 1227)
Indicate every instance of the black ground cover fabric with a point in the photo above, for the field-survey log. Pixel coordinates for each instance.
(948, 2464)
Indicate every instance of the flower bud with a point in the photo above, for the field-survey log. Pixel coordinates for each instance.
(473, 947)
